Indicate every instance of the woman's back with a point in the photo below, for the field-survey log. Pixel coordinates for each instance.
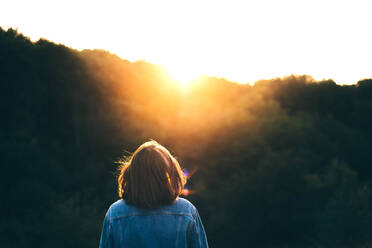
(175, 225)
(150, 212)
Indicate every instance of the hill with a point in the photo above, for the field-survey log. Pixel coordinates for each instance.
(282, 163)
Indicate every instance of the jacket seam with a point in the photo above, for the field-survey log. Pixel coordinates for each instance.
(150, 214)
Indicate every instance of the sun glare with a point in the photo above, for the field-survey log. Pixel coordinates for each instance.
(254, 39)
(183, 75)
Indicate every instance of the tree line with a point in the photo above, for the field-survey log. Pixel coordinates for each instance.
(281, 163)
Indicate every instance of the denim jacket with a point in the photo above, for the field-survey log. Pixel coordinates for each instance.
(176, 225)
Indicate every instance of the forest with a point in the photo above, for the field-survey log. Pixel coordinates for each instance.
(282, 163)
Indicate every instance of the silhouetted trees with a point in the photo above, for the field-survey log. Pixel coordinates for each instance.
(283, 163)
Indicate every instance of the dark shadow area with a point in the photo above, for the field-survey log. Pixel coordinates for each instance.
(283, 163)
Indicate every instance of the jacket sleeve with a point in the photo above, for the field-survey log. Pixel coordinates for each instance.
(196, 236)
(106, 234)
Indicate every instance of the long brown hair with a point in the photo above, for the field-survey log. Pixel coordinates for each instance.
(151, 177)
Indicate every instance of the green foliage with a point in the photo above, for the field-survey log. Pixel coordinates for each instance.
(282, 163)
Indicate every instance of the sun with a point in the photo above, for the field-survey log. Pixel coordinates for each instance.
(183, 75)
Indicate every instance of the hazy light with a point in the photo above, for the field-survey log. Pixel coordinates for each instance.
(184, 77)
(240, 40)
(185, 192)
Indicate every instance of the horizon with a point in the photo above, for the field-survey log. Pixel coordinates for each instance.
(283, 163)
(240, 42)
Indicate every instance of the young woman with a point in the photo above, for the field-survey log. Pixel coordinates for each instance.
(150, 212)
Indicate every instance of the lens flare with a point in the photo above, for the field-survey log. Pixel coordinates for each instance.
(188, 174)
(186, 192)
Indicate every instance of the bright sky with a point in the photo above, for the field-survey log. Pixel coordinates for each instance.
(240, 40)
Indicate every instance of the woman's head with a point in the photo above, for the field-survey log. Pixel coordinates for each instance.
(151, 177)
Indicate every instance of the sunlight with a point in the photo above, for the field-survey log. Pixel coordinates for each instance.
(183, 75)
(254, 40)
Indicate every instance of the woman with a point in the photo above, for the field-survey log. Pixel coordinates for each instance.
(150, 212)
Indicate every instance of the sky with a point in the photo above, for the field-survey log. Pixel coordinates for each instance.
(242, 41)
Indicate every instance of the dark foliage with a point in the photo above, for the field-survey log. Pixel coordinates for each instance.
(283, 163)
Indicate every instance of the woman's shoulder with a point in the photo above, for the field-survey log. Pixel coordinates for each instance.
(118, 208)
(118, 204)
(180, 205)
(184, 202)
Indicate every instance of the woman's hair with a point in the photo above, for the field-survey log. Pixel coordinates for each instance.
(151, 177)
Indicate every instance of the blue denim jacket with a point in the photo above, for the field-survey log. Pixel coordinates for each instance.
(176, 225)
